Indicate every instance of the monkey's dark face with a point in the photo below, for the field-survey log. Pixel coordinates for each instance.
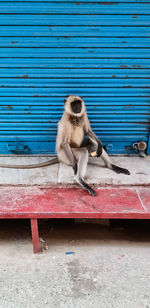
(76, 106)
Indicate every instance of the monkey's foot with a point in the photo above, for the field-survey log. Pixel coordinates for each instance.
(90, 190)
(120, 170)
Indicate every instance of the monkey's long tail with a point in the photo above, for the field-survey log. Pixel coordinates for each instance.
(38, 165)
(84, 185)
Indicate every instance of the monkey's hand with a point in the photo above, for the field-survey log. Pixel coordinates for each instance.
(95, 140)
(99, 150)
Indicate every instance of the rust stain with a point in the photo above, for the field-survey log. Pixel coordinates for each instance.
(2, 86)
(13, 42)
(77, 3)
(128, 106)
(107, 3)
(134, 16)
(123, 66)
(140, 123)
(36, 95)
(113, 76)
(9, 106)
(127, 86)
(136, 66)
(25, 76)
(67, 37)
(31, 86)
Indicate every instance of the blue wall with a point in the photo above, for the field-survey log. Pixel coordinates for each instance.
(100, 50)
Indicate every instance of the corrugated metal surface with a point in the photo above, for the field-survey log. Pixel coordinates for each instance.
(48, 49)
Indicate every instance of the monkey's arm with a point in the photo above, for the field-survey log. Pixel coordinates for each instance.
(62, 142)
(70, 156)
(90, 134)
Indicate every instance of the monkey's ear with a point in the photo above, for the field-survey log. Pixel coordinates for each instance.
(66, 98)
(81, 98)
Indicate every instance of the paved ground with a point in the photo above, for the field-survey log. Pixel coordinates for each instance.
(96, 172)
(110, 267)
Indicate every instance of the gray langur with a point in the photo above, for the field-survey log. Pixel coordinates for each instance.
(76, 141)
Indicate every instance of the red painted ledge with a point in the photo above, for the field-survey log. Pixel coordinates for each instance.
(66, 202)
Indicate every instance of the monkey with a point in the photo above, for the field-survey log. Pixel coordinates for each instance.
(76, 141)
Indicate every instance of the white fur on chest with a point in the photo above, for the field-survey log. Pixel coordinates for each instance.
(77, 135)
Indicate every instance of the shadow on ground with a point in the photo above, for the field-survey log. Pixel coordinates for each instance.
(54, 230)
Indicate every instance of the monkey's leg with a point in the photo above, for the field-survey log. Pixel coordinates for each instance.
(81, 155)
(109, 164)
(92, 148)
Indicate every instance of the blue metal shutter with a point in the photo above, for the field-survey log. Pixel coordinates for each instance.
(99, 50)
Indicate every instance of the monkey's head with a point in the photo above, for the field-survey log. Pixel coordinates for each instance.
(74, 105)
